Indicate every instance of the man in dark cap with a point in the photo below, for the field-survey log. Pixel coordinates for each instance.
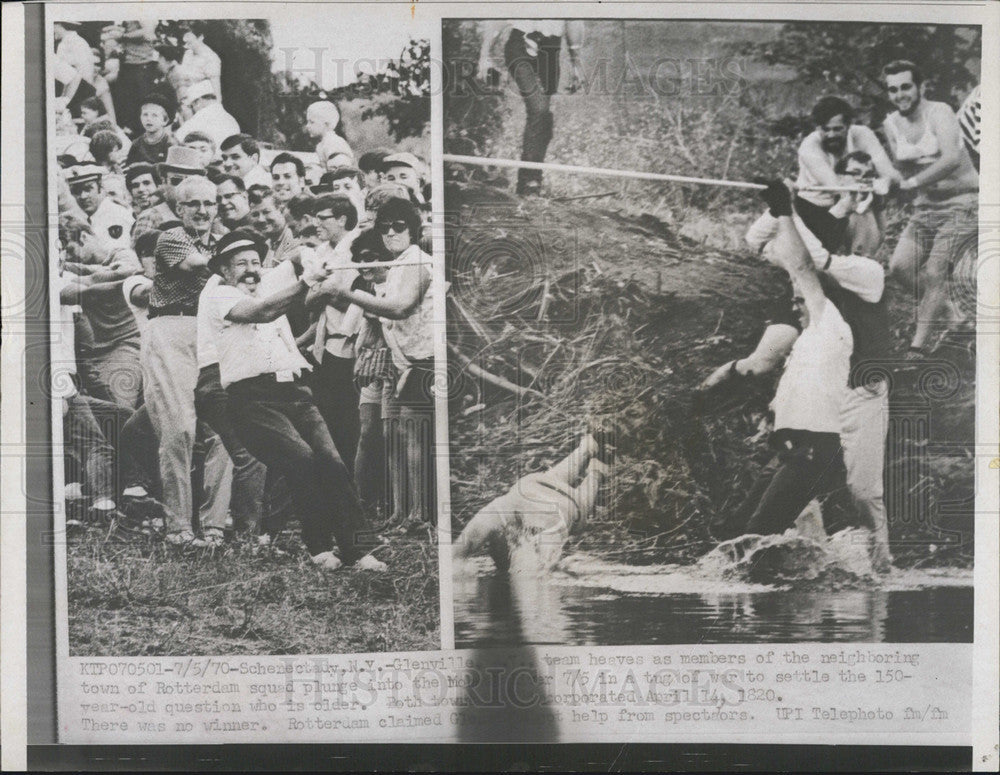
(273, 411)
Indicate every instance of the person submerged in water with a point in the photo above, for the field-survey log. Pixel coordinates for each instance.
(545, 507)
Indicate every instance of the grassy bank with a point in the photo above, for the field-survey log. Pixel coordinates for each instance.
(133, 596)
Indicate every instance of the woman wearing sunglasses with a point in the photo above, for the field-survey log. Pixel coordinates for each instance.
(403, 302)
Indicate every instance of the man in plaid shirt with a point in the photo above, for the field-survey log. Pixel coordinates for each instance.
(170, 369)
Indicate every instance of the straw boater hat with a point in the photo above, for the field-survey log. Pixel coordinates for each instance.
(234, 242)
(84, 173)
(181, 159)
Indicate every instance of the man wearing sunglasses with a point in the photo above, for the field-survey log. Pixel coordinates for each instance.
(170, 369)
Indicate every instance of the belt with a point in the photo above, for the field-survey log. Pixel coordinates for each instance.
(172, 310)
(265, 380)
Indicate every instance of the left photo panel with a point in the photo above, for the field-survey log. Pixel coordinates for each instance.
(242, 306)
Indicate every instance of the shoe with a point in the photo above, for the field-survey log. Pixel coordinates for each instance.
(185, 539)
(214, 537)
(368, 562)
(138, 492)
(326, 561)
(73, 491)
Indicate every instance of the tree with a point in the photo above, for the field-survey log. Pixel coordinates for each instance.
(849, 57)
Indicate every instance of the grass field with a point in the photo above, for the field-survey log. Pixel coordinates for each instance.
(134, 596)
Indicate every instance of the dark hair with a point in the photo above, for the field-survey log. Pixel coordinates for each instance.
(258, 192)
(369, 242)
(371, 161)
(397, 209)
(246, 142)
(234, 179)
(103, 143)
(301, 205)
(171, 53)
(197, 137)
(339, 205)
(95, 104)
(286, 158)
(145, 243)
(198, 27)
(828, 107)
(897, 66)
(141, 168)
(101, 125)
(860, 156)
(339, 173)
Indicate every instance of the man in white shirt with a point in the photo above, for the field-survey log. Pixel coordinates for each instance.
(72, 49)
(809, 400)
(209, 117)
(241, 157)
(111, 222)
(338, 326)
(272, 409)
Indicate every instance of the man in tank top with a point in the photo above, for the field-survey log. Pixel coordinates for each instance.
(926, 144)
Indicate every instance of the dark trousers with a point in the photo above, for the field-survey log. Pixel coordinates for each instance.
(832, 232)
(90, 430)
(249, 475)
(139, 450)
(280, 425)
(133, 83)
(336, 398)
(808, 465)
(537, 79)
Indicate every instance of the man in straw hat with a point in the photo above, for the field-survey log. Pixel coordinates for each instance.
(273, 411)
(181, 163)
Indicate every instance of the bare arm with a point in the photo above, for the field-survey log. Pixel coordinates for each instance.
(869, 143)
(251, 310)
(790, 251)
(945, 127)
(391, 307)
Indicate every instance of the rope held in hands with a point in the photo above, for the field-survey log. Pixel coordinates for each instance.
(613, 173)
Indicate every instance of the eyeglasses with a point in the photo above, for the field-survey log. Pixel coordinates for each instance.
(398, 227)
(196, 204)
(368, 256)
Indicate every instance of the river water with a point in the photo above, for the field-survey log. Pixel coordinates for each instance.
(585, 600)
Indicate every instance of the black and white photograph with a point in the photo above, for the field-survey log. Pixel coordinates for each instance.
(244, 367)
(713, 284)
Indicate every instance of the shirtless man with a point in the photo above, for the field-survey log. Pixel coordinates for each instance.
(547, 504)
(926, 144)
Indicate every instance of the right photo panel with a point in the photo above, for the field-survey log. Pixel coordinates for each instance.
(713, 307)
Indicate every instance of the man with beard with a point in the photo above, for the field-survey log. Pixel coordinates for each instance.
(834, 138)
(142, 181)
(926, 144)
(273, 411)
(234, 206)
(170, 369)
(288, 177)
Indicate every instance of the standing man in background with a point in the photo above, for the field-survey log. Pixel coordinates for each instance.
(531, 56)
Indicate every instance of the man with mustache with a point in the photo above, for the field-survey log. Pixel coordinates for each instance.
(271, 407)
(835, 137)
(926, 143)
(170, 369)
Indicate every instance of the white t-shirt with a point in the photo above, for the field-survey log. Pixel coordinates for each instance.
(812, 387)
(245, 350)
(141, 314)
